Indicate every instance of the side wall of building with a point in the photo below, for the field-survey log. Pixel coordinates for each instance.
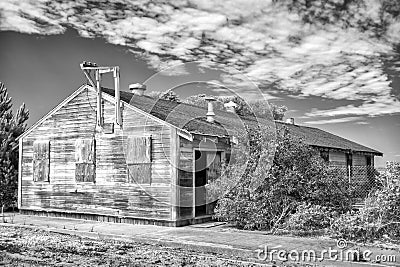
(111, 194)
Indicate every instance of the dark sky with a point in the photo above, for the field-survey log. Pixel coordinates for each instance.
(338, 76)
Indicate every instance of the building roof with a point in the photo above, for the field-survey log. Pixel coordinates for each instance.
(188, 117)
(320, 138)
(193, 119)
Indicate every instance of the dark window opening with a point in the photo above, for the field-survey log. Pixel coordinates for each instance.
(207, 170)
(369, 161)
(325, 155)
(200, 182)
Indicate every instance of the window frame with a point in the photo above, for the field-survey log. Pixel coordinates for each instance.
(88, 160)
(46, 158)
(138, 161)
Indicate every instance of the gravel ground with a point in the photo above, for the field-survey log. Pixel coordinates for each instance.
(31, 247)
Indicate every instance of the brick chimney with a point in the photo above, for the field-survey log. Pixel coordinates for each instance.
(137, 88)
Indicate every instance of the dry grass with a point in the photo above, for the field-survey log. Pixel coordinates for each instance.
(29, 247)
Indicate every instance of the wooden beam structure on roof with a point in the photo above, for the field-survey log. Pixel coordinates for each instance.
(88, 68)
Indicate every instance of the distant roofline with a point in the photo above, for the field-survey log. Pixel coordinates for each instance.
(372, 151)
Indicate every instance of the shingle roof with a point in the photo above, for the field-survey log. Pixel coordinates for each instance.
(193, 119)
(186, 116)
(320, 138)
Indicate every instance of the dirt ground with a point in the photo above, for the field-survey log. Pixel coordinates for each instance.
(32, 247)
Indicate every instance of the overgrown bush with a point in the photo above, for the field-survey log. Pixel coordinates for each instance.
(297, 175)
(355, 226)
(379, 217)
(309, 217)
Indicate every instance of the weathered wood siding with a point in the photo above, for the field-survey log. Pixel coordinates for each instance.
(112, 193)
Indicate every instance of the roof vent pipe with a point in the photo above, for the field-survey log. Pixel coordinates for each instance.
(230, 106)
(137, 88)
(290, 121)
(210, 112)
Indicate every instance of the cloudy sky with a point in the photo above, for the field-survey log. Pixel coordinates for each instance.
(335, 64)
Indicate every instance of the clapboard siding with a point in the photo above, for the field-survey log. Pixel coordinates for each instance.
(111, 194)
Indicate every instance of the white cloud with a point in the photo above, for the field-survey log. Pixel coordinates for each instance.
(261, 39)
(338, 120)
(378, 107)
(362, 123)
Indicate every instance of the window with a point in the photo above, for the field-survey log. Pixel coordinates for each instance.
(85, 160)
(41, 161)
(369, 160)
(227, 157)
(138, 159)
(324, 155)
(214, 165)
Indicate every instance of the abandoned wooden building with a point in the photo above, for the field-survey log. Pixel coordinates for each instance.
(119, 156)
(352, 160)
(336, 150)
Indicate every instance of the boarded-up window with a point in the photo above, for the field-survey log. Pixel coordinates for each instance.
(85, 160)
(41, 161)
(138, 150)
(84, 172)
(139, 173)
(138, 158)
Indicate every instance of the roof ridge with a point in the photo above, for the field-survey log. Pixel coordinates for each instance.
(332, 134)
(187, 104)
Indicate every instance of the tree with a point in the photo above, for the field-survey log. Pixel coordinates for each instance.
(260, 109)
(200, 101)
(11, 126)
(167, 95)
(297, 175)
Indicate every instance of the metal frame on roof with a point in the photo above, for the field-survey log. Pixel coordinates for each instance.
(181, 132)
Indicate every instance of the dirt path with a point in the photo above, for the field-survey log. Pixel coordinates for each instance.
(30, 247)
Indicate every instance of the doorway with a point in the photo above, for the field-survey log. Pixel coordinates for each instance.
(199, 182)
(207, 167)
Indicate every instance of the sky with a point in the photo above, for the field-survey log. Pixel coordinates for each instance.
(335, 67)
